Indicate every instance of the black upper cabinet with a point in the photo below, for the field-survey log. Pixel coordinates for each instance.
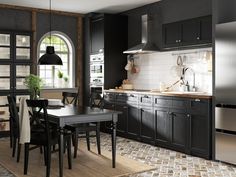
(172, 34)
(193, 32)
(97, 34)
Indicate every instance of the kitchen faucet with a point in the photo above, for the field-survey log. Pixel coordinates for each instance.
(186, 84)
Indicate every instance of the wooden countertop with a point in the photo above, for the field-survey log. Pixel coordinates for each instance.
(201, 95)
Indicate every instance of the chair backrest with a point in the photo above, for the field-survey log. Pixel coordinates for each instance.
(39, 117)
(96, 100)
(70, 98)
(14, 116)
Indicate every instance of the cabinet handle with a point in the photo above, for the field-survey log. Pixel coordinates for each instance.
(132, 95)
(145, 96)
(197, 100)
(125, 107)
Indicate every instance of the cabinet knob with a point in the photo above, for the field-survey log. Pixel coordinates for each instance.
(132, 95)
(188, 115)
(198, 38)
(177, 41)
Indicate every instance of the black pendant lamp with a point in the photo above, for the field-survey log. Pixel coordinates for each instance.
(50, 58)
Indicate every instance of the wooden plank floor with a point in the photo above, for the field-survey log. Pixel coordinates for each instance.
(87, 164)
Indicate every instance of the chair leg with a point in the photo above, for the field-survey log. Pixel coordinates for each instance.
(48, 160)
(88, 140)
(98, 138)
(76, 142)
(18, 151)
(26, 160)
(69, 152)
(45, 155)
(14, 146)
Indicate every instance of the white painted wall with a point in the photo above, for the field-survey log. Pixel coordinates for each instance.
(157, 67)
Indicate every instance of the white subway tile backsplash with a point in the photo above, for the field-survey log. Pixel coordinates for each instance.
(158, 67)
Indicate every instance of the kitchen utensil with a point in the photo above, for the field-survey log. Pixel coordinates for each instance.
(128, 67)
(179, 60)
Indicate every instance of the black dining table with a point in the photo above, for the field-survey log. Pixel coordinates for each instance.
(70, 114)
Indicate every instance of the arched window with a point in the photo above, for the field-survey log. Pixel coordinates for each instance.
(57, 76)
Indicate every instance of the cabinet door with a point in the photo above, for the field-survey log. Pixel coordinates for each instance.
(162, 122)
(171, 35)
(206, 29)
(97, 35)
(133, 122)
(199, 135)
(179, 129)
(147, 123)
(122, 118)
(190, 32)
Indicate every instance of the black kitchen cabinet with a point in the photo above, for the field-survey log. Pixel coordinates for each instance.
(181, 124)
(97, 34)
(199, 127)
(179, 129)
(188, 33)
(172, 35)
(106, 35)
(147, 128)
(122, 119)
(162, 123)
(133, 122)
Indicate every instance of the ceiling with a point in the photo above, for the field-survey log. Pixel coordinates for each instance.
(82, 6)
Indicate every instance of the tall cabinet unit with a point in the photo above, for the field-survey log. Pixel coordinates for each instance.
(106, 36)
(15, 65)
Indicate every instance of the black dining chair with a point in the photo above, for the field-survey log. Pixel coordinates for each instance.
(15, 130)
(43, 133)
(78, 130)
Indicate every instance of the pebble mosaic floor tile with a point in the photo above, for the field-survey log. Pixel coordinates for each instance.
(166, 163)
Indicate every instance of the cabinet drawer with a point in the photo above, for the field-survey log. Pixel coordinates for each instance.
(127, 98)
(146, 100)
(109, 97)
(198, 106)
(179, 103)
(162, 102)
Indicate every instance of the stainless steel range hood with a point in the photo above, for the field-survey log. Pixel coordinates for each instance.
(146, 46)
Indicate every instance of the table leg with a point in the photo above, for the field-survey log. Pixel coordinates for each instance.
(61, 147)
(113, 137)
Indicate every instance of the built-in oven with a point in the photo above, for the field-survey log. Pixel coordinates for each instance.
(97, 70)
(97, 58)
(225, 134)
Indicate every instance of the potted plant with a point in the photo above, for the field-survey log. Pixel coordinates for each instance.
(34, 84)
(66, 79)
(60, 78)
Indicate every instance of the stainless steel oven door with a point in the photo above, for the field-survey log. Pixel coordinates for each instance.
(97, 70)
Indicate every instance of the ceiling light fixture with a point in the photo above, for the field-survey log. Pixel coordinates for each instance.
(50, 58)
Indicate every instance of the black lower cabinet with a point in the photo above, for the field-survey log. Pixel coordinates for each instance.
(162, 122)
(200, 141)
(133, 121)
(147, 128)
(179, 130)
(122, 119)
(176, 123)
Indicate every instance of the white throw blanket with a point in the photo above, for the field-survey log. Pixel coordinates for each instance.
(24, 121)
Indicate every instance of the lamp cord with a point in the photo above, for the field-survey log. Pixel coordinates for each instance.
(50, 25)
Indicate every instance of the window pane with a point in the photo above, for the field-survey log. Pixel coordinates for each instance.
(20, 83)
(4, 84)
(5, 39)
(22, 70)
(4, 53)
(22, 41)
(3, 100)
(23, 54)
(4, 70)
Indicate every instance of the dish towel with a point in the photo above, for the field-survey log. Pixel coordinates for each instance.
(24, 122)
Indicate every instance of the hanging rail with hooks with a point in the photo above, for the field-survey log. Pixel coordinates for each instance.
(195, 52)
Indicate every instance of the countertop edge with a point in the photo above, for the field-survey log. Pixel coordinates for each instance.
(184, 95)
